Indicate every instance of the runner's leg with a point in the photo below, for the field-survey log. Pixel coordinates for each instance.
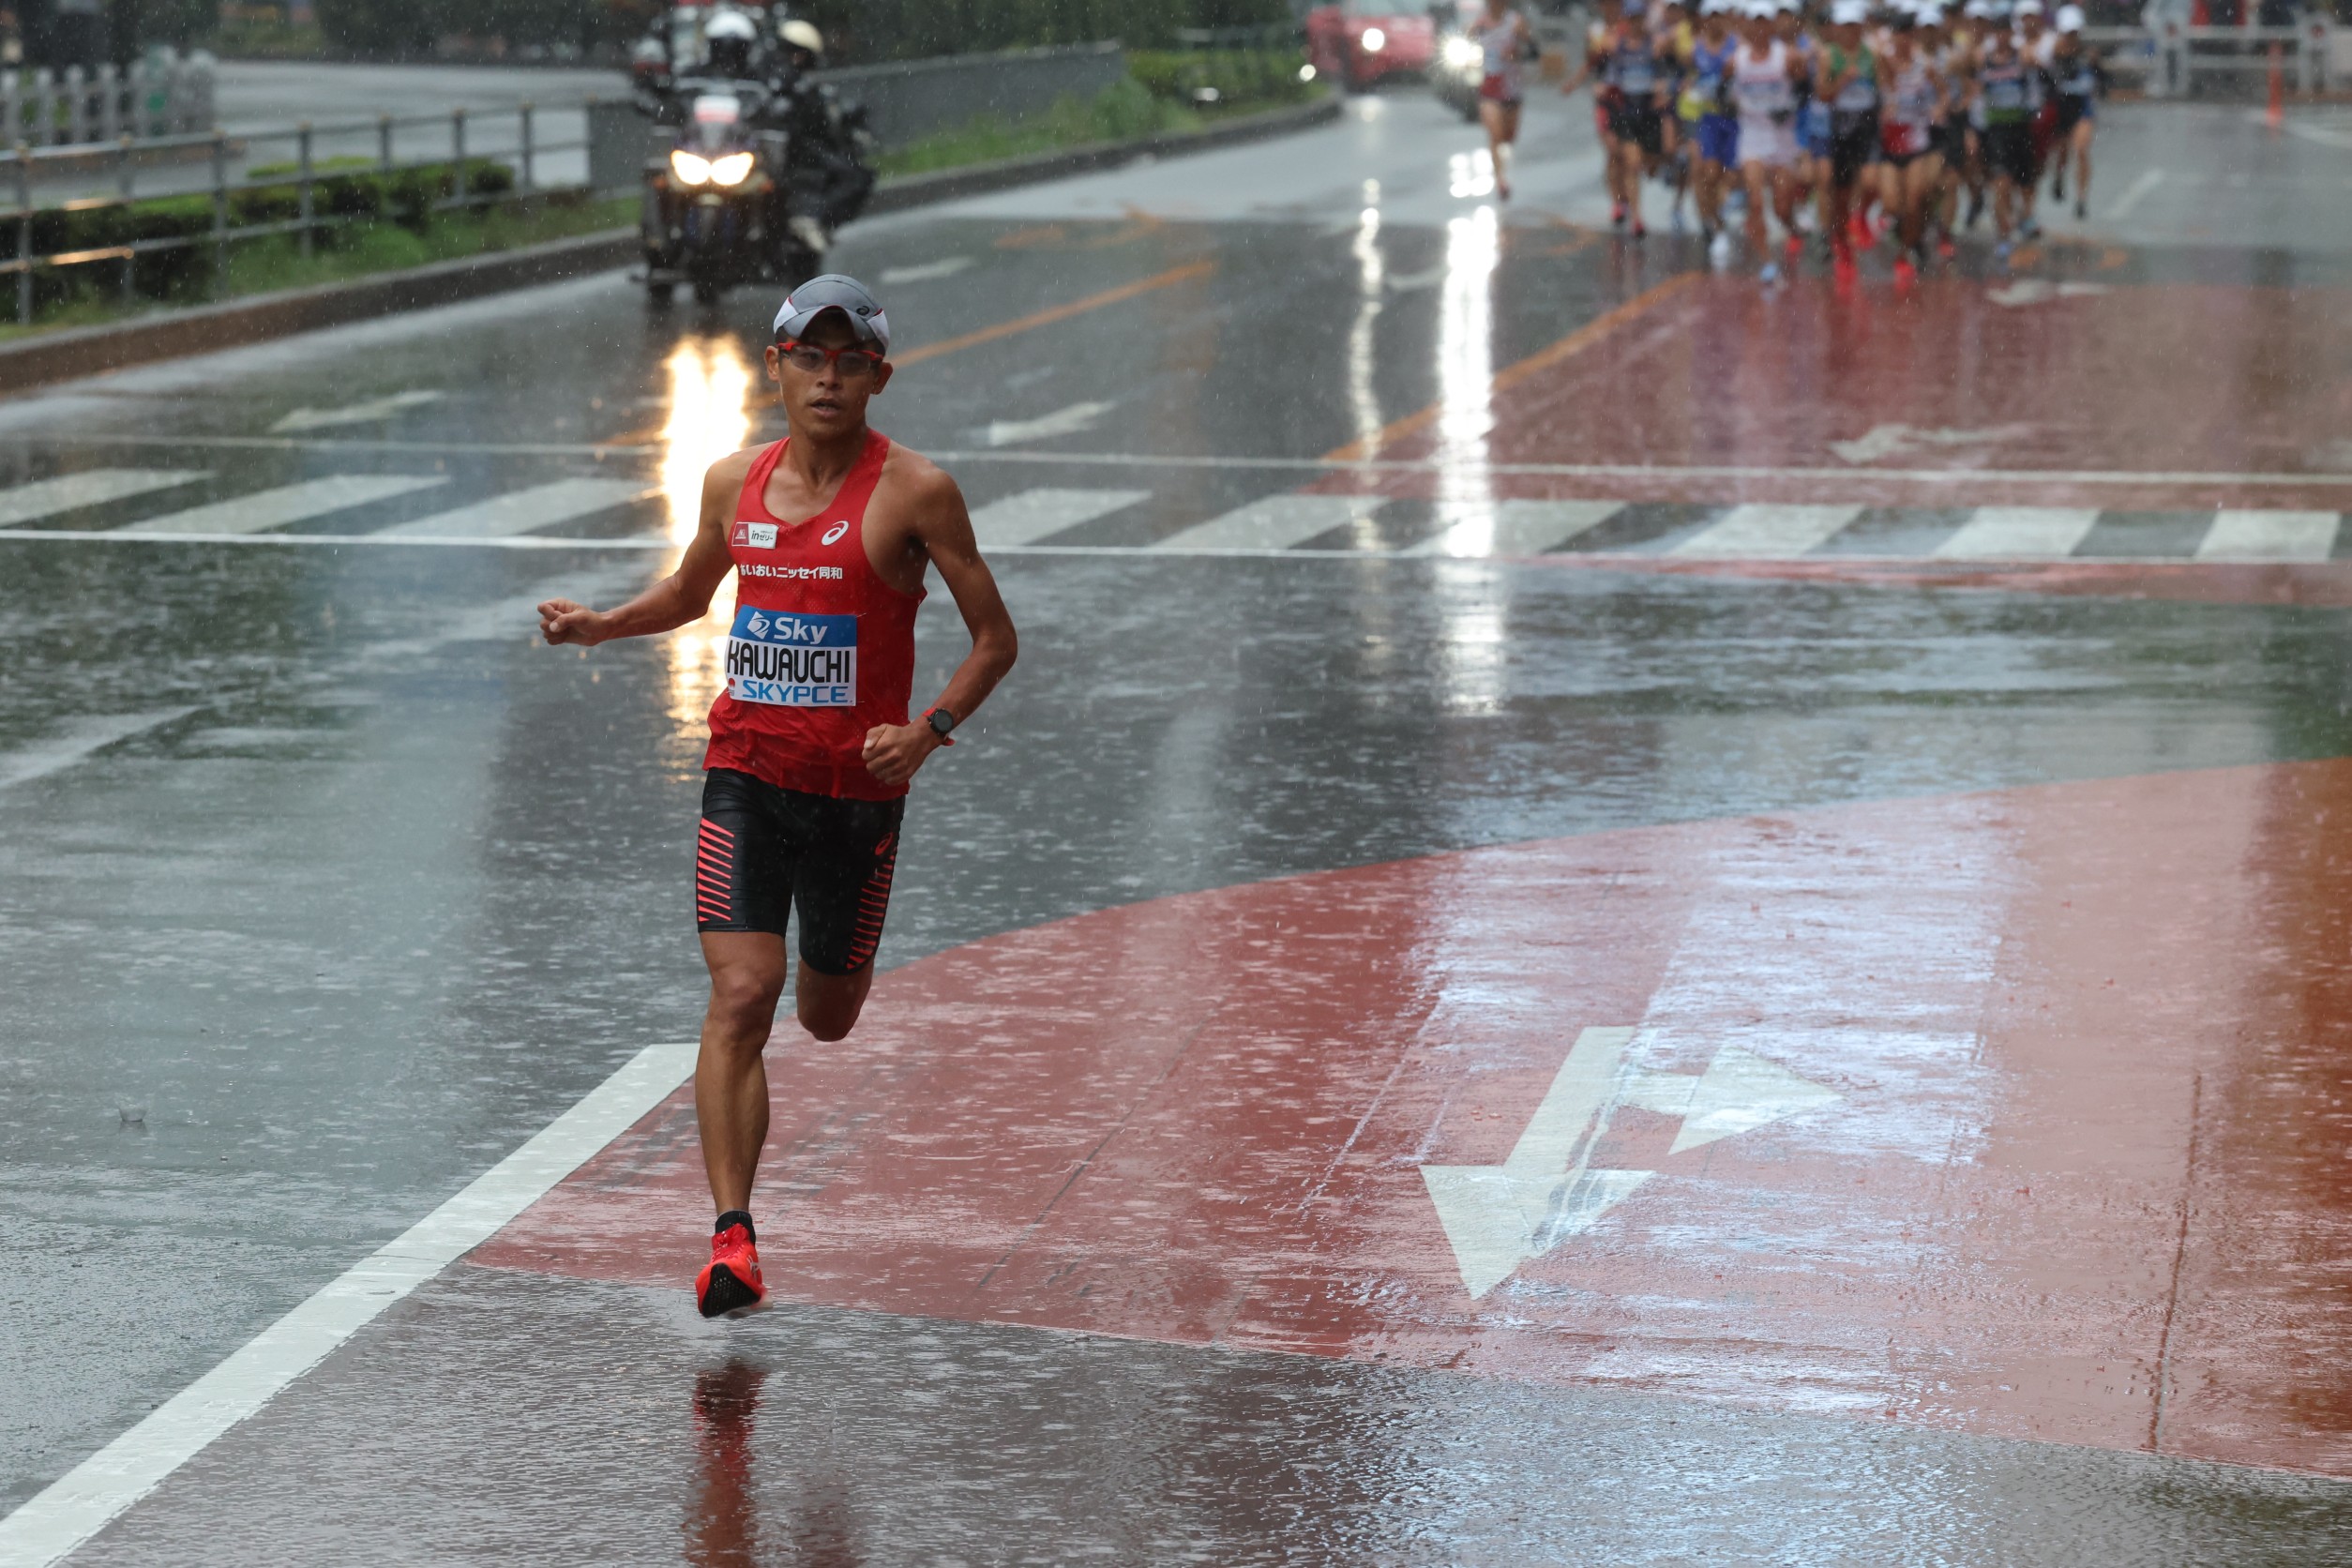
(730, 1078)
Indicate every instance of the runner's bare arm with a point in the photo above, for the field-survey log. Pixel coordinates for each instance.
(944, 528)
(679, 599)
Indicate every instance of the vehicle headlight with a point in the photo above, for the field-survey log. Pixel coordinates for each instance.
(733, 169)
(1374, 41)
(1461, 53)
(691, 168)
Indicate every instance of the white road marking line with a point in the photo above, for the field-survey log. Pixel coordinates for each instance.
(646, 543)
(2327, 136)
(2270, 536)
(526, 511)
(1066, 421)
(1275, 522)
(1520, 528)
(354, 414)
(2018, 534)
(2151, 478)
(80, 737)
(47, 497)
(80, 1503)
(1023, 518)
(276, 508)
(2135, 193)
(1767, 533)
(946, 266)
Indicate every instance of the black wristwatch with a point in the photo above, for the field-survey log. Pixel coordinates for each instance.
(943, 724)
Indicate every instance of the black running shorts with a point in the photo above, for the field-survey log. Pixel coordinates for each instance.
(2009, 150)
(761, 850)
(1640, 123)
(1853, 144)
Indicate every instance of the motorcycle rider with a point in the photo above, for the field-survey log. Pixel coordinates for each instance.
(828, 140)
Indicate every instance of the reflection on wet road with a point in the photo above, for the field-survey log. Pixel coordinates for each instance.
(1610, 919)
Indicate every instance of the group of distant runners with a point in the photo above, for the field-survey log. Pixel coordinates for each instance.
(1852, 121)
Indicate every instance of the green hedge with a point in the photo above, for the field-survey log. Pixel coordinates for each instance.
(1259, 78)
(356, 197)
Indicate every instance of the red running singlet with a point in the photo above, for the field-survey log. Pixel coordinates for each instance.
(822, 649)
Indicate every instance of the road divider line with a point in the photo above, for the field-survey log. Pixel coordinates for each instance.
(1141, 286)
(2135, 193)
(80, 1503)
(1512, 375)
(92, 733)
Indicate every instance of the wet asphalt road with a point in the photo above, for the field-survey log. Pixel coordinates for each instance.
(322, 886)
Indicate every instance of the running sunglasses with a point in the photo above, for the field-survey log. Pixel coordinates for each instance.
(853, 363)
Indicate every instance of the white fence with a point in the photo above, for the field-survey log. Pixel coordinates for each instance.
(2170, 57)
(160, 96)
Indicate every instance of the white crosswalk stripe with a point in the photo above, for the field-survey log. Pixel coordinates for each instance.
(1518, 528)
(1037, 514)
(2270, 536)
(1767, 533)
(288, 503)
(44, 498)
(530, 518)
(524, 511)
(1275, 522)
(2019, 534)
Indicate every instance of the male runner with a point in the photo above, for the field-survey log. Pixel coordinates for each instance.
(2003, 96)
(829, 533)
(1846, 78)
(1764, 76)
(1911, 169)
(2080, 80)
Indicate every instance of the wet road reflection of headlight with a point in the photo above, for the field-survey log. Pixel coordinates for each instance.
(692, 168)
(1374, 41)
(1461, 53)
(733, 169)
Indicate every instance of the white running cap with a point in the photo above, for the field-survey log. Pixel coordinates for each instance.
(2029, 8)
(834, 291)
(2070, 19)
(1850, 14)
(1930, 16)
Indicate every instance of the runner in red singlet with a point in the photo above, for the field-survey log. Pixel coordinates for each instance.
(829, 534)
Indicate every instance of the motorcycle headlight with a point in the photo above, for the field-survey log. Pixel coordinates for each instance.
(691, 168)
(1461, 53)
(1374, 41)
(733, 169)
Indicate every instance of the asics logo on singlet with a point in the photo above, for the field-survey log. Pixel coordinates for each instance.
(832, 535)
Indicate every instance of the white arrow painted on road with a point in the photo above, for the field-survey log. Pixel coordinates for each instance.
(1497, 1216)
(355, 413)
(1068, 421)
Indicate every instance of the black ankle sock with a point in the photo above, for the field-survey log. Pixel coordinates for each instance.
(736, 1217)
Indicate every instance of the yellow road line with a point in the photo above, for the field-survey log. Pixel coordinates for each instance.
(1060, 312)
(1510, 376)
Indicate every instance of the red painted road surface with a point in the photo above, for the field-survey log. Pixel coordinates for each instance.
(1874, 398)
(2083, 1177)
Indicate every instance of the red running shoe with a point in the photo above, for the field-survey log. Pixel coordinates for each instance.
(730, 1282)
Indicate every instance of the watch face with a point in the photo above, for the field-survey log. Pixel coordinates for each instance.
(941, 720)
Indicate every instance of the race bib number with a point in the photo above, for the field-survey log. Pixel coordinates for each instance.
(792, 661)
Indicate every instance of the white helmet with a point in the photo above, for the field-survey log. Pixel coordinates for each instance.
(798, 34)
(730, 25)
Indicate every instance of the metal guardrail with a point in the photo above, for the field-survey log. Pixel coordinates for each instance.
(20, 167)
(2171, 56)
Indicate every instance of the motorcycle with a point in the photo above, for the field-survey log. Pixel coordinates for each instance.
(716, 210)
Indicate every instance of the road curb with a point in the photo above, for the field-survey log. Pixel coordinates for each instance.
(78, 352)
